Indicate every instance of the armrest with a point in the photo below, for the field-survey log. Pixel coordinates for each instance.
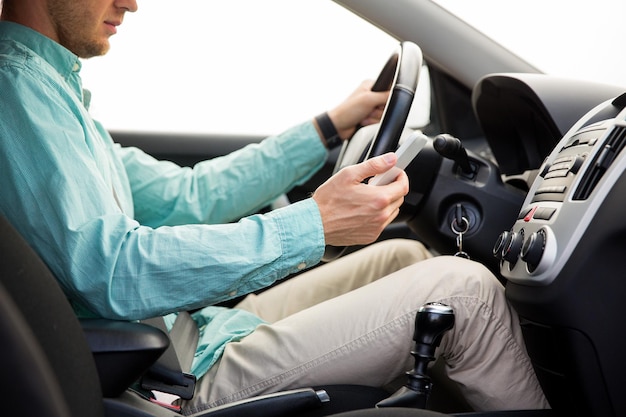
(286, 403)
(123, 351)
(282, 403)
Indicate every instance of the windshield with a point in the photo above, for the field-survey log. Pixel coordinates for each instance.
(258, 67)
(561, 37)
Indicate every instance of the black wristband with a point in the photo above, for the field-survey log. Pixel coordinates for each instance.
(329, 131)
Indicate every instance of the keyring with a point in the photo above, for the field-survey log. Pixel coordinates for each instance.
(454, 223)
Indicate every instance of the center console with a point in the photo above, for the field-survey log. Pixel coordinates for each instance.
(565, 263)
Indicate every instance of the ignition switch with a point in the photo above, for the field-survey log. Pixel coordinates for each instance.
(465, 215)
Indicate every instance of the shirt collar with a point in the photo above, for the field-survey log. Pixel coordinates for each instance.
(66, 63)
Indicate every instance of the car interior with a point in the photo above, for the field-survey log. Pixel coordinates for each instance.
(522, 171)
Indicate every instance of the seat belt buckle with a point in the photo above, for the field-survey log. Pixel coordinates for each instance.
(184, 388)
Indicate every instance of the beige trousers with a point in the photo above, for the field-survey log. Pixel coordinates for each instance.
(351, 321)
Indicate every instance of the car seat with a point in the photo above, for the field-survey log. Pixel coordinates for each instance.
(54, 364)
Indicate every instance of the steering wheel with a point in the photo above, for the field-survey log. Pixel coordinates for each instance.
(400, 75)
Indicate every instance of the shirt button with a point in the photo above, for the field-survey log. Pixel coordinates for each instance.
(76, 67)
(301, 266)
(232, 293)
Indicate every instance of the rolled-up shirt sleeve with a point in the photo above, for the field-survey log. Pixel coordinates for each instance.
(111, 265)
(69, 196)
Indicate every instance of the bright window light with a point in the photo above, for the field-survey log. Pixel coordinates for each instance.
(242, 67)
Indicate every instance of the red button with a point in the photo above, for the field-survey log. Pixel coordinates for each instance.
(529, 215)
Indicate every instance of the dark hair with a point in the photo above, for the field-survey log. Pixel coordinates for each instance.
(6, 6)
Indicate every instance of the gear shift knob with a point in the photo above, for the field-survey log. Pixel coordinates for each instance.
(433, 320)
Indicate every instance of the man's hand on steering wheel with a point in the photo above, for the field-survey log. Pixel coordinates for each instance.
(398, 80)
(363, 107)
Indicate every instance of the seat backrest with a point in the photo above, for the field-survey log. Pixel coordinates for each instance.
(27, 384)
(44, 308)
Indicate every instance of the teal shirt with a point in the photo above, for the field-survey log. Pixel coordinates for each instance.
(129, 237)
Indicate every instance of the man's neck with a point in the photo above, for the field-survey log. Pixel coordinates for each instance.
(30, 13)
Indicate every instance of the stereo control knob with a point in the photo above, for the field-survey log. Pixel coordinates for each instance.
(499, 245)
(533, 249)
(513, 246)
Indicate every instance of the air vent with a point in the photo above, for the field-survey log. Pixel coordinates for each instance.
(613, 145)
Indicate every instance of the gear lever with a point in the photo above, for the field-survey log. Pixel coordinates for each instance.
(432, 321)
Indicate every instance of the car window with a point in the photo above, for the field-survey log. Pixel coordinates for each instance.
(239, 67)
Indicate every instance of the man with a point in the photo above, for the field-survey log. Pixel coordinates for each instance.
(129, 237)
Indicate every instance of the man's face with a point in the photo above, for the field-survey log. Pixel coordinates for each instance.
(85, 27)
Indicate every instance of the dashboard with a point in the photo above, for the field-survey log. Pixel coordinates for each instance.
(563, 263)
(564, 199)
(523, 117)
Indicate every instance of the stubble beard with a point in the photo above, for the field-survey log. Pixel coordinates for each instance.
(73, 31)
